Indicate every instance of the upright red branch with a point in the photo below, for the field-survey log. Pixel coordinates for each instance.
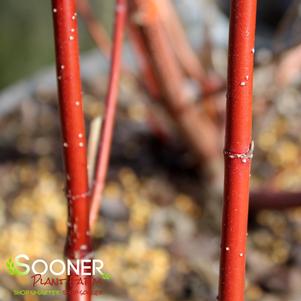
(238, 150)
(110, 110)
(78, 243)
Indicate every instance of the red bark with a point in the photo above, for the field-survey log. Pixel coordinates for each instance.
(110, 110)
(238, 150)
(78, 243)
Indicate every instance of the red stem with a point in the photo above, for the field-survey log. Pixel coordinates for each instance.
(110, 110)
(237, 150)
(78, 243)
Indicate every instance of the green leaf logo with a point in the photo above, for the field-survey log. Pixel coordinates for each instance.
(10, 265)
(106, 276)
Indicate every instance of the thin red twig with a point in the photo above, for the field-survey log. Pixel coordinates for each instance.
(110, 110)
(78, 243)
(238, 150)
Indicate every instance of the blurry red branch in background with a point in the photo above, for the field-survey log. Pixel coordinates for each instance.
(110, 110)
(95, 29)
(78, 243)
(163, 68)
(176, 35)
(238, 150)
(260, 200)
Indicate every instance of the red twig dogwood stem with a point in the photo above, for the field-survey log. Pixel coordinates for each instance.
(110, 110)
(78, 243)
(238, 150)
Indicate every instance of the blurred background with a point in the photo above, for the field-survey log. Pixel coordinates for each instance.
(159, 227)
(27, 36)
